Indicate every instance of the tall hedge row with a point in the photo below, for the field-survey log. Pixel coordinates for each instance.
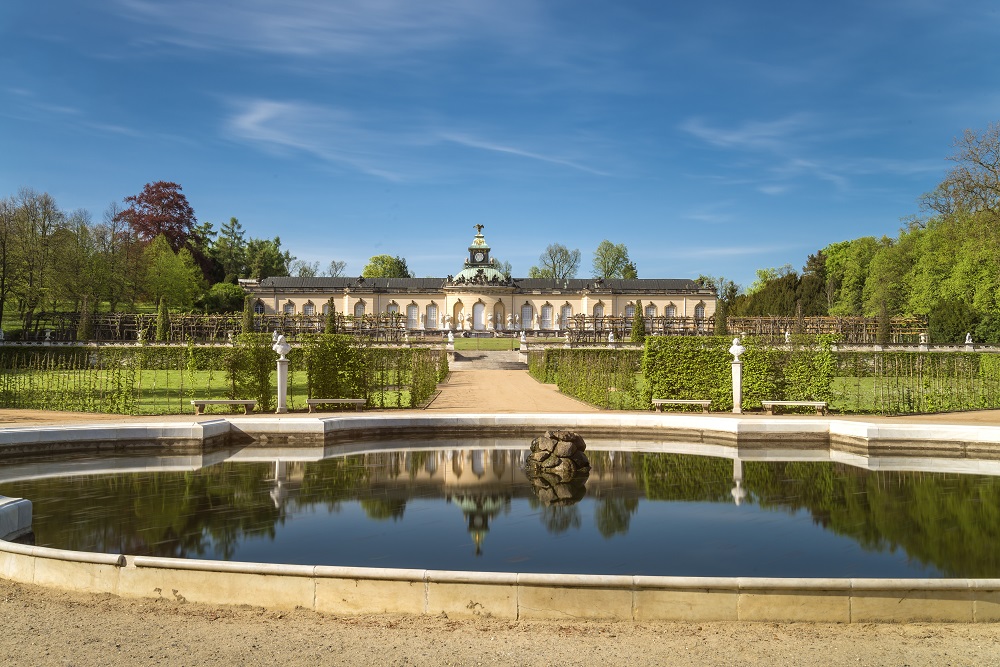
(163, 379)
(806, 368)
(607, 378)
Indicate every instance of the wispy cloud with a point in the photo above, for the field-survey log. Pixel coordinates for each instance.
(482, 144)
(774, 136)
(319, 27)
(391, 149)
(332, 135)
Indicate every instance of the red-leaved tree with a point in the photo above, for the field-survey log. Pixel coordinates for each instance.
(161, 208)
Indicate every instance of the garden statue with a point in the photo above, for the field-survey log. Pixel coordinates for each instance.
(280, 345)
(451, 338)
(611, 337)
(968, 339)
(1, 335)
(736, 350)
(524, 339)
(788, 337)
(510, 320)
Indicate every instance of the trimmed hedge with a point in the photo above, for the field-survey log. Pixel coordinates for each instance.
(163, 379)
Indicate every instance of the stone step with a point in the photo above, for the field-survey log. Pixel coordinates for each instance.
(488, 360)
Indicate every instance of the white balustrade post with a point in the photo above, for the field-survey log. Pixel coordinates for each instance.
(736, 350)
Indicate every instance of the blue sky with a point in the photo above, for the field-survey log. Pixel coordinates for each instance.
(710, 137)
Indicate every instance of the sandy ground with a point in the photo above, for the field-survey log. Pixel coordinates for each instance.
(40, 626)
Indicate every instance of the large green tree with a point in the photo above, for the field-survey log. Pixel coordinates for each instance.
(230, 249)
(386, 266)
(173, 276)
(612, 261)
(557, 262)
(265, 258)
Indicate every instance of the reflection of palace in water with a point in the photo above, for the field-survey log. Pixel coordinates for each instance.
(481, 483)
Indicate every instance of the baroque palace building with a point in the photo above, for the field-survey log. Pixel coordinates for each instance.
(482, 299)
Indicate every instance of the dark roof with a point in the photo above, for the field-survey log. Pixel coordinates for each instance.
(523, 284)
(325, 283)
(614, 284)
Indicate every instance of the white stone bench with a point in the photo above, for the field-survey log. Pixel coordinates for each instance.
(199, 405)
(658, 403)
(820, 406)
(358, 403)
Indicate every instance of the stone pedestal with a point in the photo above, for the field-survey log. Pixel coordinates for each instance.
(282, 386)
(738, 387)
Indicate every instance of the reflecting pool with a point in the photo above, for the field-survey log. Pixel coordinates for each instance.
(450, 508)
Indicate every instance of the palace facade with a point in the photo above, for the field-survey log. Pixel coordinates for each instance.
(481, 298)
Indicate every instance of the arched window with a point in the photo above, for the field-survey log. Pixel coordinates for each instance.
(699, 311)
(288, 308)
(650, 311)
(547, 316)
(326, 308)
(412, 316)
(565, 314)
(670, 311)
(630, 310)
(259, 308)
(309, 308)
(599, 310)
(359, 309)
(392, 308)
(526, 313)
(431, 319)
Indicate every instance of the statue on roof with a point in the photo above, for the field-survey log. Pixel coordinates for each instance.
(478, 228)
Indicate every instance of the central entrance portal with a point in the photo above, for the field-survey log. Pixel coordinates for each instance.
(479, 316)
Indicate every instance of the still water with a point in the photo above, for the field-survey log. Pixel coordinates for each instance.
(473, 509)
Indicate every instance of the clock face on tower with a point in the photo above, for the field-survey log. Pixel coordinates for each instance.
(479, 256)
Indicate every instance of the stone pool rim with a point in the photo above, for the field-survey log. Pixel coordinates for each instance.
(360, 590)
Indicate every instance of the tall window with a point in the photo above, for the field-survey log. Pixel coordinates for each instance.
(259, 307)
(309, 309)
(650, 311)
(326, 308)
(526, 313)
(288, 308)
(412, 316)
(599, 310)
(630, 310)
(546, 316)
(671, 311)
(359, 309)
(431, 321)
(392, 308)
(567, 312)
(699, 311)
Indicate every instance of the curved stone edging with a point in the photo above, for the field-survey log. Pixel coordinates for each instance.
(353, 590)
(347, 590)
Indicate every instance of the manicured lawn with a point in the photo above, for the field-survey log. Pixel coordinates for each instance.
(486, 343)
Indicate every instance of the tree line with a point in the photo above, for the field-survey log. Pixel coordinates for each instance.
(944, 265)
(151, 248)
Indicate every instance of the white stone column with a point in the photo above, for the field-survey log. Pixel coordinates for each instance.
(282, 386)
(736, 350)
